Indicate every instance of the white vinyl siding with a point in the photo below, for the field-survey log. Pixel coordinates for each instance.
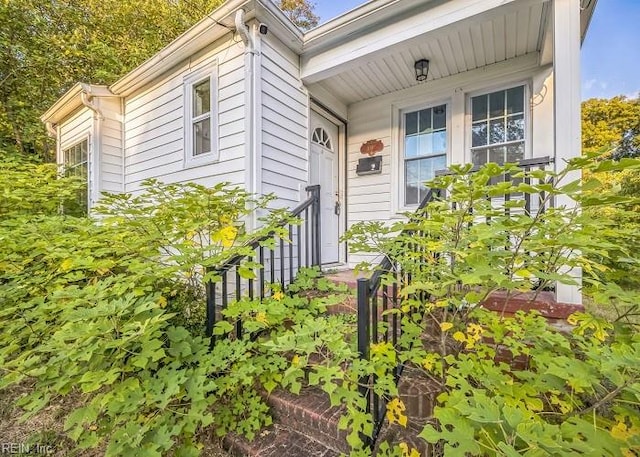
(285, 139)
(111, 155)
(155, 123)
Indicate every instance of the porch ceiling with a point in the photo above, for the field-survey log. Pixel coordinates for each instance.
(503, 34)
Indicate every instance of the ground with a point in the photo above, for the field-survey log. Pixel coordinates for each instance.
(46, 428)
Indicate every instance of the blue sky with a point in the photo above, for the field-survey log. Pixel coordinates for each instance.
(610, 53)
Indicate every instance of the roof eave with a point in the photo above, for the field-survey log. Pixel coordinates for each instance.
(339, 28)
(71, 101)
(585, 18)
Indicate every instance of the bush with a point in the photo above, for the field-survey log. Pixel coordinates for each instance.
(110, 310)
(578, 392)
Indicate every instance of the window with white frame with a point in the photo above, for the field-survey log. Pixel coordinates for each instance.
(498, 126)
(425, 150)
(76, 163)
(200, 125)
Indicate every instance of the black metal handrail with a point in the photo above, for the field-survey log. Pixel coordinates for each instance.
(279, 262)
(372, 292)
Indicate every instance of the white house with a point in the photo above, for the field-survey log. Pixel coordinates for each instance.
(245, 97)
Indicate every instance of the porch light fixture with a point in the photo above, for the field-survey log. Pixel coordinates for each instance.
(422, 69)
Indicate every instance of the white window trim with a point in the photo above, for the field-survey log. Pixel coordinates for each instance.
(528, 115)
(397, 153)
(193, 78)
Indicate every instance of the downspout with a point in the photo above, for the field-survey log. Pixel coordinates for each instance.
(51, 130)
(249, 39)
(87, 100)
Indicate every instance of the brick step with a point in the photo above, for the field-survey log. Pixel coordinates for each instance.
(277, 441)
(310, 413)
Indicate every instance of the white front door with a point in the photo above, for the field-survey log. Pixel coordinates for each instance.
(324, 170)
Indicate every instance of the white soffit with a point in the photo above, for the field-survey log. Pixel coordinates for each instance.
(508, 32)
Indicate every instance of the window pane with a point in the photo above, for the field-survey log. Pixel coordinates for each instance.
(496, 154)
(428, 168)
(440, 117)
(479, 107)
(515, 100)
(202, 137)
(425, 145)
(440, 142)
(412, 194)
(411, 125)
(439, 163)
(496, 104)
(515, 152)
(496, 131)
(479, 134)
(201, 98)
(425, 121)
(411, 146)
(515, 127)
(479, 156)
(412, 175)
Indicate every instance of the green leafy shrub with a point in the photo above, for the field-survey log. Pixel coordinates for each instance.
(110, 310)
(579, 392)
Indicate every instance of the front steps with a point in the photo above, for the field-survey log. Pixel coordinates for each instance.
(278, 441)
(306, 425)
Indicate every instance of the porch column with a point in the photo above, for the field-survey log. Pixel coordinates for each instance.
(567, 96)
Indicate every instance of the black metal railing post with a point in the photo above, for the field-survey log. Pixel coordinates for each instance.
(364, 327)
(316, 226)
(211, 307)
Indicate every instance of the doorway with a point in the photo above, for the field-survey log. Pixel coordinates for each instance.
(324, 169)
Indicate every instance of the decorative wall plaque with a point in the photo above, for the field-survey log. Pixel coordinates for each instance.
(372, 147)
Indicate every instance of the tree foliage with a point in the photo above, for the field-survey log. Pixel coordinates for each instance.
(300, 12)
(611, 124)
(611, 128)
(47, 46)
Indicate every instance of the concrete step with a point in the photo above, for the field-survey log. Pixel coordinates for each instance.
(310, 413)
(278, 441)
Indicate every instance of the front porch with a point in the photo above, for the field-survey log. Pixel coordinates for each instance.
(491, 95)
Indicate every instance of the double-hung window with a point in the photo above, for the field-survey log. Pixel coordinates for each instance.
(425, 150)
(498, 126)
(76, 163)
(200, 116)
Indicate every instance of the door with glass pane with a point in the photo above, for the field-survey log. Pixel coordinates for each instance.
(425, 150)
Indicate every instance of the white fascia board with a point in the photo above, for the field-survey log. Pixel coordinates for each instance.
(354, 20)
(352, 51)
